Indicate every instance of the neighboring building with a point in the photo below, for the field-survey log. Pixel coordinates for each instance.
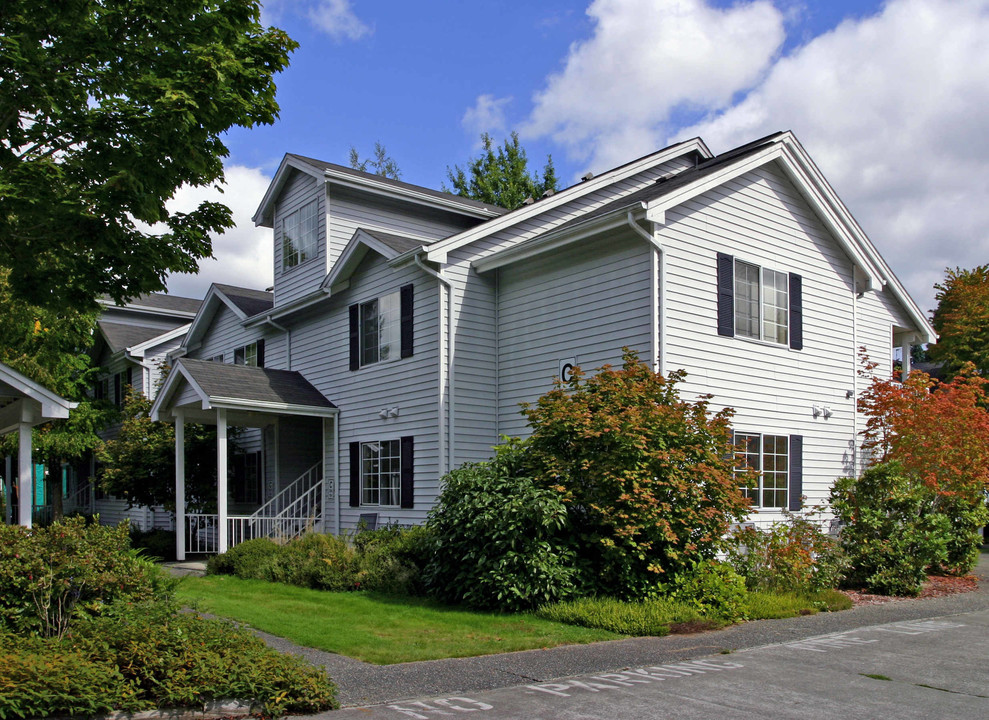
(406, 326)
(131, 348)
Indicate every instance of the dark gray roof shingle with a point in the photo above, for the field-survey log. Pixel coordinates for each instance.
(250, 302)
(119, 336)
(322, 165)
(254, 384)
(396, 242)
(162, 301)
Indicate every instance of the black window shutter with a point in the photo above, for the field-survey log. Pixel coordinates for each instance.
(408, 490)
(796, 471)
(261, 352)
(355, 338)
(130, 375)
(726, 295)
(405, 303)
(796, 312)
(355, 474)
(118, 393)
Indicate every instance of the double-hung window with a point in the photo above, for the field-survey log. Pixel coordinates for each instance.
(777, 462)
(381, 473)
(381, 328)
(251, 354)
(299, 235)
(759, 303)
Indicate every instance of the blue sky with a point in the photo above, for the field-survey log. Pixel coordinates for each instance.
(889, 98)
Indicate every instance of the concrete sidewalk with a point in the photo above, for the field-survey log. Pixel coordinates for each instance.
(365, 684)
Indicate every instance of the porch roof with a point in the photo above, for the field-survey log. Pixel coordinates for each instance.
(199, 386)
(24, 401)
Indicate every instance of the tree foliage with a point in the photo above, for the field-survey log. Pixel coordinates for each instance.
(501, 177)
(647, 477)
(380, 163)
(109, 106)
(139, 464)
(938, 434)
(962, 320)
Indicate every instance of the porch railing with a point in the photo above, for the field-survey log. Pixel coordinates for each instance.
(287, 498)
(202, 536)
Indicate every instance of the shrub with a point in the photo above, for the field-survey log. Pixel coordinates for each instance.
(501, 539)
(655, 617)
(793, 555)
(762, 605)
(391, 559)
(322, 562)
(155, 543)
(50, 575)
(892, 533)
(250, 560)
(647, 478)
(147, 655)
(714, 589)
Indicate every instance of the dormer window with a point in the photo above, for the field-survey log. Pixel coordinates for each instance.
(299, 235)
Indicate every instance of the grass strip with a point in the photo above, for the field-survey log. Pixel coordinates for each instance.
(375, 628)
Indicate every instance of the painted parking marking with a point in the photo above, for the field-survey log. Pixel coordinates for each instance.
(842, 641)
(919, 627)
(631, 678)
(827, 643)
(440, 706)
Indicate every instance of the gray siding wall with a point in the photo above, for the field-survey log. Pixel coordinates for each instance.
(761, 218)
(226, 333)
(295, 282)
(321, 353)
(585, 302)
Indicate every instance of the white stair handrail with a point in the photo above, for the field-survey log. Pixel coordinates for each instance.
(288, 495)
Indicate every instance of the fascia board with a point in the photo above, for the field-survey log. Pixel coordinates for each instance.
(177, 375)
(437, 252)
(274, 188)
(352, 256)
(550, 241)
(223, 403)
(145, 309)
(139, 349)
(408, 193)
(37, 392)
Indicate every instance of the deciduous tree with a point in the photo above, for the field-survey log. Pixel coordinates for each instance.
(109, 106)
(962, 320)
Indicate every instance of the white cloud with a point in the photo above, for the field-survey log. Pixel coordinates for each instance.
(615, 95)
(334, 17)
(892, 109)
(337, 19)
(243, 255)
(486, 116)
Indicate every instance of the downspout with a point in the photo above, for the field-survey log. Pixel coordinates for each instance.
(855, 374)
(445, 369)
(336, 468)
(658, 296)
(288, 340)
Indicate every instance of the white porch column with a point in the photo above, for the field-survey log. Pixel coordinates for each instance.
(221, 479)
(26, 477)
(179, 485)
(905, 362)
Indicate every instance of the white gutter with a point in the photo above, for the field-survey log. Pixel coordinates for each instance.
(336, 468)
(445, 370)
(658, 294)
(288, 340)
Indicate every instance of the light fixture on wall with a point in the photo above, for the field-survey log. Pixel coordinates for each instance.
(386, 413)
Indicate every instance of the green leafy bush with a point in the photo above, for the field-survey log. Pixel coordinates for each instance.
(714, 589)
(792, 555)
(763, 605)
(391, 559)
(892, 533)
(50, 575)
(655, 617)
(647, 478)
(964, 540)
(148, 655)
(250, 560)
(502, 541)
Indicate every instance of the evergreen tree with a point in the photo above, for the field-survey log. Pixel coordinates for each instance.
(501, 176)
(380, 164)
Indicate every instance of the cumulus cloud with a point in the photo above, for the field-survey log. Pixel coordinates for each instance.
(334, 17)
(243, 254)
(486, 116)
(646, 60)
(892, 109)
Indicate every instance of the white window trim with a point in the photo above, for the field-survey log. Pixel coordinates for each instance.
(299, 246)
(761, 304)
(759, 489)
(397, 473)
(394, 326)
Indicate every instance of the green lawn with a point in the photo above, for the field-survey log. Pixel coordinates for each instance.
(376, 629)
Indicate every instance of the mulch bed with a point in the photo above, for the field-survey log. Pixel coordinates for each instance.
(936, 586)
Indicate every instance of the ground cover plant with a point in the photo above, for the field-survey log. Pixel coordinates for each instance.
(373, 627)
(87, 625)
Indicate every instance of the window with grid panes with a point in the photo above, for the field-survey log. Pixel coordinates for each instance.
(380, 328)
(381, 473)
(769, 456)
(299, 235)
(761, 303)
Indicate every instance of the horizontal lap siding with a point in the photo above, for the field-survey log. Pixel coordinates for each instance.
(761, 218)
(295, 282)
(226, 333)
(321, 354)
(156, 358)
(586, 301)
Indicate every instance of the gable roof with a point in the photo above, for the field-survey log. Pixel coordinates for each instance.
(364, 240)
(368, 182)
(119, 336)
(438, 251)
(243, 387)
(243, 302)
(24, 400)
